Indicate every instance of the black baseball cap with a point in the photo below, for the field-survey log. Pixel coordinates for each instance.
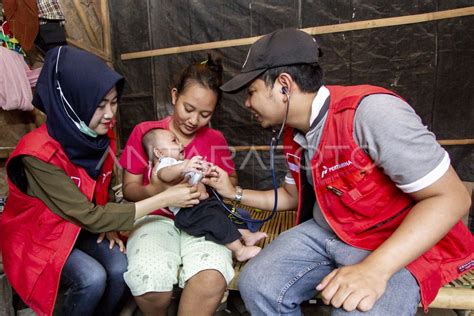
(280, 48)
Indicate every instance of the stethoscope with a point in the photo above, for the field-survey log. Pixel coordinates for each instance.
(273, 145)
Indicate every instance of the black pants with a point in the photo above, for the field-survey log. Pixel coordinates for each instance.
(208, 219)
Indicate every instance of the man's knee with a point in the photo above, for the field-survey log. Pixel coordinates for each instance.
(249, 281)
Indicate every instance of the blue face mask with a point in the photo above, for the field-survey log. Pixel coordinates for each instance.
(81, 125)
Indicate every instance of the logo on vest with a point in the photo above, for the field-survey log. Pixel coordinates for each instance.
(76, 180)
(341, 165)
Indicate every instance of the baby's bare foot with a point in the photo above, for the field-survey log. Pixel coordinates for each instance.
(247, 252)
(252, 238)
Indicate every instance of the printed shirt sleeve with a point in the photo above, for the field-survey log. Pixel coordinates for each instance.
(393, 135)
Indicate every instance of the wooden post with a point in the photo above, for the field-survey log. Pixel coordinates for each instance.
(82, 16)
(6, 304)
(106, 36)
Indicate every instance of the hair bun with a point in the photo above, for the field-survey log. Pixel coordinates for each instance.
(214, 63)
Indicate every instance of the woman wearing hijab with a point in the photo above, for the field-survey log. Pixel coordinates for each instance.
(59, 177)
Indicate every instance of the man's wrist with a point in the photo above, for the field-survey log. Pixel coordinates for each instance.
(238, 194)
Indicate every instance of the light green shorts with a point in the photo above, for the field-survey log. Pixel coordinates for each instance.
(160, 255)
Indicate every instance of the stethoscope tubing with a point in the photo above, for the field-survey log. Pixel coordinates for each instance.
(273, 146)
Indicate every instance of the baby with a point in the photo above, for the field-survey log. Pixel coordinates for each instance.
(208, 218)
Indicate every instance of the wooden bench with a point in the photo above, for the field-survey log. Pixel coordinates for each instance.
(458, 294)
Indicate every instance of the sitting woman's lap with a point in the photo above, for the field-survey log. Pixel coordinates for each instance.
(93, 275)
(160, 255)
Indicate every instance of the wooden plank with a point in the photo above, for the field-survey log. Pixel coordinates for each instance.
(279, 223)
(452, 142)
(326, 29)
(454, 298)
(5, 152)
(444, 142)
(6, 297)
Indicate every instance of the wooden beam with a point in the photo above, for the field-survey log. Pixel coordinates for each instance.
(454, 298)
(444, 142)
(326, 29)
(5, 152)
(254, 148)
(451, 142)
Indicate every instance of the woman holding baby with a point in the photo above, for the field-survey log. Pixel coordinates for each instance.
(159, 254)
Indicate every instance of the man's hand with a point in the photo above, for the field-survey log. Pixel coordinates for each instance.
(353, 287)
(219, 180)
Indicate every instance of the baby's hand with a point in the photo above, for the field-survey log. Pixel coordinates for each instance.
(194, 164)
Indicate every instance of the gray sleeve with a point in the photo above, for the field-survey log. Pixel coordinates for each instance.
(392, 134)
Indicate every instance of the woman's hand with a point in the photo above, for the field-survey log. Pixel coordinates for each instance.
(220, 181)
(181, 195)
(201, 188)
(113, 239)
(125, 233)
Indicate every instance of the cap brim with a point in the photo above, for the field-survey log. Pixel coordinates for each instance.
(241, 80)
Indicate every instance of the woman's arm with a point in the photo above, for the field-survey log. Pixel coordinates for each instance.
(181, 195)
(51, 185)
(134, 190)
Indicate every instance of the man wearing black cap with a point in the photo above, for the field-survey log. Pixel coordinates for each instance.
(384, 204)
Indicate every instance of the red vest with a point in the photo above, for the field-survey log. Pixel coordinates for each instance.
(361, 204)
(36, 242)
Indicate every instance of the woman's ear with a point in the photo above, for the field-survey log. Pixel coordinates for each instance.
(174, 96)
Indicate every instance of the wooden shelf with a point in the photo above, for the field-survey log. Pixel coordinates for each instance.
(5, 152)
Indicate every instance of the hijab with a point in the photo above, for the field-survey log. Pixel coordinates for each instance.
(84, 81)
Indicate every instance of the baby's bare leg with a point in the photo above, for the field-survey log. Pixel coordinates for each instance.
(242, 252)
(250, 238)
